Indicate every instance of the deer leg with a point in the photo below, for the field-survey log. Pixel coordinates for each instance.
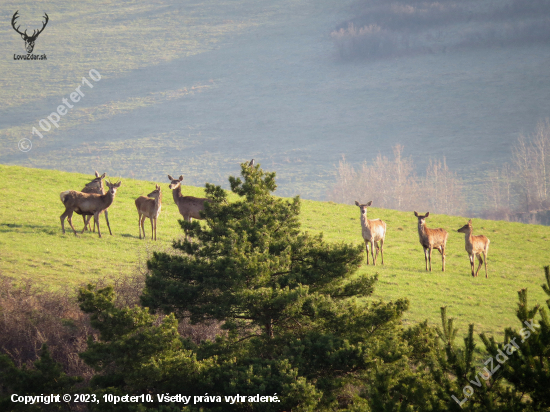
(442, 250)
(472, 258)
(108, 225)
(372, 245)
(142, 228)
(152, 228)
(139, 224)
(70, 220)
(155, 229)
(426, 257)
(430, 257)
(62, 218)
(377, 250)
(382, 250)
(480, 263)
(86, 221)
(96, 218)
(367, 247)
(485, 259)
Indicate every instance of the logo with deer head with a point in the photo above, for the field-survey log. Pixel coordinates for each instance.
(29, 40)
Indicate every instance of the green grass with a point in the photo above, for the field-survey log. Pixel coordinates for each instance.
(32, 245)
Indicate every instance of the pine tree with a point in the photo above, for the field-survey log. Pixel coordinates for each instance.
(45, 377)
(251, 267)
(288, 300)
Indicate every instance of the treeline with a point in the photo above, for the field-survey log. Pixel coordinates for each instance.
(520, 190)
(393, 184)
(296, 328)
(405, 27)
(516, 191)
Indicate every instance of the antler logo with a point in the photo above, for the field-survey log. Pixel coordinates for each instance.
(29, 40)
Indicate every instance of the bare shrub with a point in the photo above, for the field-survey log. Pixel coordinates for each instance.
(393, 184)
(31, 316)
(442, 189)
(531, 159)
(128, 290)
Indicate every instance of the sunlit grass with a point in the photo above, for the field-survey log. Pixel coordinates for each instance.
(32, 245)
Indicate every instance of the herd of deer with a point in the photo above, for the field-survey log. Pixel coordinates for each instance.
(93, 200)
(374, 231)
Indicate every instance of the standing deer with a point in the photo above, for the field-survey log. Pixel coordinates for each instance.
(373, 231)
(431, 239)
(95, 186)
(86, 204)
(189, 206)
(475, 246)
(149, 208)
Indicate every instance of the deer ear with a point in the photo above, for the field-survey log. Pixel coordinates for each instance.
(170, 177)
(118, 184)
(470, 222)
(427, 214)
(416, 214)
(356, 203)
(103, 175)
(181, 178)
(369, 203)
(96, 174)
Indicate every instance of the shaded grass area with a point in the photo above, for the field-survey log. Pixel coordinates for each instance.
(32, 246)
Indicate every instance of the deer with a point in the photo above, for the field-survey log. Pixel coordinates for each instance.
(86, 204)
(373, 231)
(95, 186)
(431, 239)
(189, 206)
(29, 40)
(149, 208)
(475, 246)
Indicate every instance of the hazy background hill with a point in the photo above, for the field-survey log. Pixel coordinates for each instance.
(196, 87)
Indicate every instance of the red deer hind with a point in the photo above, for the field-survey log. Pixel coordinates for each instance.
(86, 204)
(373, 231)
(431, 239)
(475, 246)
(149, 207)
(95, 186)
(189, 206)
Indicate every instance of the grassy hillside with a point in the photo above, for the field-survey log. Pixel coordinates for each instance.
(32, 245)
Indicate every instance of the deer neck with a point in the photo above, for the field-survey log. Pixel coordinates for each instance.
(176, 194)
(107, 200)
(158, 201)
(422, 230)
(364, 221)
(468, 236)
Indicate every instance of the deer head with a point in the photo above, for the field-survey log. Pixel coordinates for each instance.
(175, 183)
(467, 228)
(363, 207)
(422, 219)
(29, 40)
(113, 187)
(155, 193)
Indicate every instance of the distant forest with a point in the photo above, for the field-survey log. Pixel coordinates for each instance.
(517, 191)
(405, 27)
